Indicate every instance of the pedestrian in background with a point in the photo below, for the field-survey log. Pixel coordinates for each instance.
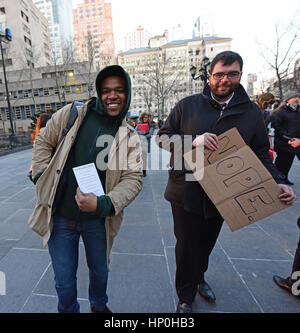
(40, 123)
(265, 102)
(63, 213)
(145, 129)
(224, 104)
(286, 123)
(287, 283)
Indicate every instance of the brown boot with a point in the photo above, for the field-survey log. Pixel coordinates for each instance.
(288, 282)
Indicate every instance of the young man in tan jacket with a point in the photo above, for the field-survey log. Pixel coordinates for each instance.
(63, 213)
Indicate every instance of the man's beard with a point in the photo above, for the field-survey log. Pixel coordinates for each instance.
(225, 95)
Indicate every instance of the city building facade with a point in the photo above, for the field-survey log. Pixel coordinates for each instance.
(137, 39)
(43, 89)
(161, 72)
(60, 20)
(93, 32)
(30, 46)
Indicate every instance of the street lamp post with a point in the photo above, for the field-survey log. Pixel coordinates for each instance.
(203, 71)
(8, 37)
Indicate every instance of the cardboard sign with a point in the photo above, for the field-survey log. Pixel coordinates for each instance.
(236, 181)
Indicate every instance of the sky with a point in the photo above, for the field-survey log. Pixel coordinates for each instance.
(248, 23)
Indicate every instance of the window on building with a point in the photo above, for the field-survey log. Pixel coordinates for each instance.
(24, 16)
(46, 92)
(8, 62)
(27, 111)
(78, 89)
(30, 64)
(3, 111)
(26, 29)
(6, 113)
(46, 75)
(18, 112)
(27, 40)
(27, 93)
(2, 10)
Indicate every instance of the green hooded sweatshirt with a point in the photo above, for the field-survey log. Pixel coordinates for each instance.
(97, 122)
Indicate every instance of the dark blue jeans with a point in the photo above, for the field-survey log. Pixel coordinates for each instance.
(63, 248)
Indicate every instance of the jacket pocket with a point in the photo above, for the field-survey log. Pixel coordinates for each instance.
(38, 221)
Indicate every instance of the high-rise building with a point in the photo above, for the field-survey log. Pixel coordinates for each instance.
(137, 39)
(93, 31)
(197, 28)
(30, 45)
(59, 16)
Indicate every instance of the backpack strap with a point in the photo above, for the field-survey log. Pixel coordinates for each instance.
(71, 120)
(72, 117)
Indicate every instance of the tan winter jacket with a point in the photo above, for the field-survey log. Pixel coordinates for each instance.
(123, 183)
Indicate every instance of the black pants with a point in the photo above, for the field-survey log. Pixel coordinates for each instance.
(196, 238)
(284, 161)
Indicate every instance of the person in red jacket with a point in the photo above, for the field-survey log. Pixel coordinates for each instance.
(145, 129)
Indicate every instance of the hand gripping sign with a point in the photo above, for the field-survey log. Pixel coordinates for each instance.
(237, 182)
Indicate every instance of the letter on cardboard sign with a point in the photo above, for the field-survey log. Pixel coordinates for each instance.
(247, 178)
(213, 156)
(247, 200)
(230, 166)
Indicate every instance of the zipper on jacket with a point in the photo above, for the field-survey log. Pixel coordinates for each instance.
(220, 116)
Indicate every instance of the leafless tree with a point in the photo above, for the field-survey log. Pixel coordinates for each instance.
(61, 63)
(147, 94)
(280, 56)
(161, 78)
(90, 50)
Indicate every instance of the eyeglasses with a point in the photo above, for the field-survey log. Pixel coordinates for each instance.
(230, 75)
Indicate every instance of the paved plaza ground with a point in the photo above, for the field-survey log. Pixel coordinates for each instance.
(142, 272)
